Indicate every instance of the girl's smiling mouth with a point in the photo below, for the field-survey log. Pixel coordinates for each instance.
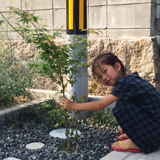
(107, 82)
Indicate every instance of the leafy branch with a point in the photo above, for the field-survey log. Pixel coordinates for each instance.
(54, 61)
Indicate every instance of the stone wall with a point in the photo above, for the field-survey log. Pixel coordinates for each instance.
(138, 55)
(129, 29)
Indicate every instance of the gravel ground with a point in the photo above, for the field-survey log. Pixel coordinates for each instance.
(93, 143)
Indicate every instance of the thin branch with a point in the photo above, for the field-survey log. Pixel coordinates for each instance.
(39, 28)
(21, 34)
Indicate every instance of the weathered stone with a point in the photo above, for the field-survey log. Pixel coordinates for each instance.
(9, 118)
(22, 113)
(137, 54)
(15, 115)
(34, 145)
(3, 120)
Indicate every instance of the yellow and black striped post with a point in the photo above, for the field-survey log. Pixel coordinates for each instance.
(76, 16)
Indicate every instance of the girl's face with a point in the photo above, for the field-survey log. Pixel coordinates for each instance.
(108, 74)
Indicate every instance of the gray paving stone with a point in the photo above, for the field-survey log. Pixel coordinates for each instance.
(15, 115)
(9, 118)
(34, 145)
(11, 158)
(22, 113)
(61, 133)
(3, 120)
(141, 156)
(114, 155)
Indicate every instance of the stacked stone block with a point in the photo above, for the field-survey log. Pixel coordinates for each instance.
(114, 18)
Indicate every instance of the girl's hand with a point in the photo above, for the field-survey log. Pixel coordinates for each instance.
(67, 104)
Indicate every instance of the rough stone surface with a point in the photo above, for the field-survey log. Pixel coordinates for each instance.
(137, 54)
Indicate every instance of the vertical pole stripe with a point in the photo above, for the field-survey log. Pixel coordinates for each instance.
(81, 14)
(76, 19)
(70, 14)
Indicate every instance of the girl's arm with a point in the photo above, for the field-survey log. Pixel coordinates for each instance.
(89, 106)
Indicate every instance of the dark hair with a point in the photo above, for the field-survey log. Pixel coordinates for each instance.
(107, 58)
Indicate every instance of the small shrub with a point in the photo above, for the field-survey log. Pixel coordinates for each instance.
(103, 118)
(42, 114)
(14, 77)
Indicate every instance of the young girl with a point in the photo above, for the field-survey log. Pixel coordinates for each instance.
(137, 108)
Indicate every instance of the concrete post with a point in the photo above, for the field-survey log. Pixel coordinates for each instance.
(76, 17)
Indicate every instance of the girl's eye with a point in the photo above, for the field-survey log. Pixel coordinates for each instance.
(105, 71)
(99, 77)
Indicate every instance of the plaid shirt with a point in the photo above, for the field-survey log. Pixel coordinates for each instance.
(138, 111)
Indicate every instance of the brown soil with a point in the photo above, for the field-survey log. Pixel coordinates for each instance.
(17, 100)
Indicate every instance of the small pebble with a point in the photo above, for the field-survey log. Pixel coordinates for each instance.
(93, 143)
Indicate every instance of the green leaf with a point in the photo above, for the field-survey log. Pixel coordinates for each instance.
(1, 22)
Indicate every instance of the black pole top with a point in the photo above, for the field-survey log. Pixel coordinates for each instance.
(76, 16)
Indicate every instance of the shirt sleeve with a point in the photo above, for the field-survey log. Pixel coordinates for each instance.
(124, 90)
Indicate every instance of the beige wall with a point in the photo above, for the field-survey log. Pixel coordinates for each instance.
(114, 18)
